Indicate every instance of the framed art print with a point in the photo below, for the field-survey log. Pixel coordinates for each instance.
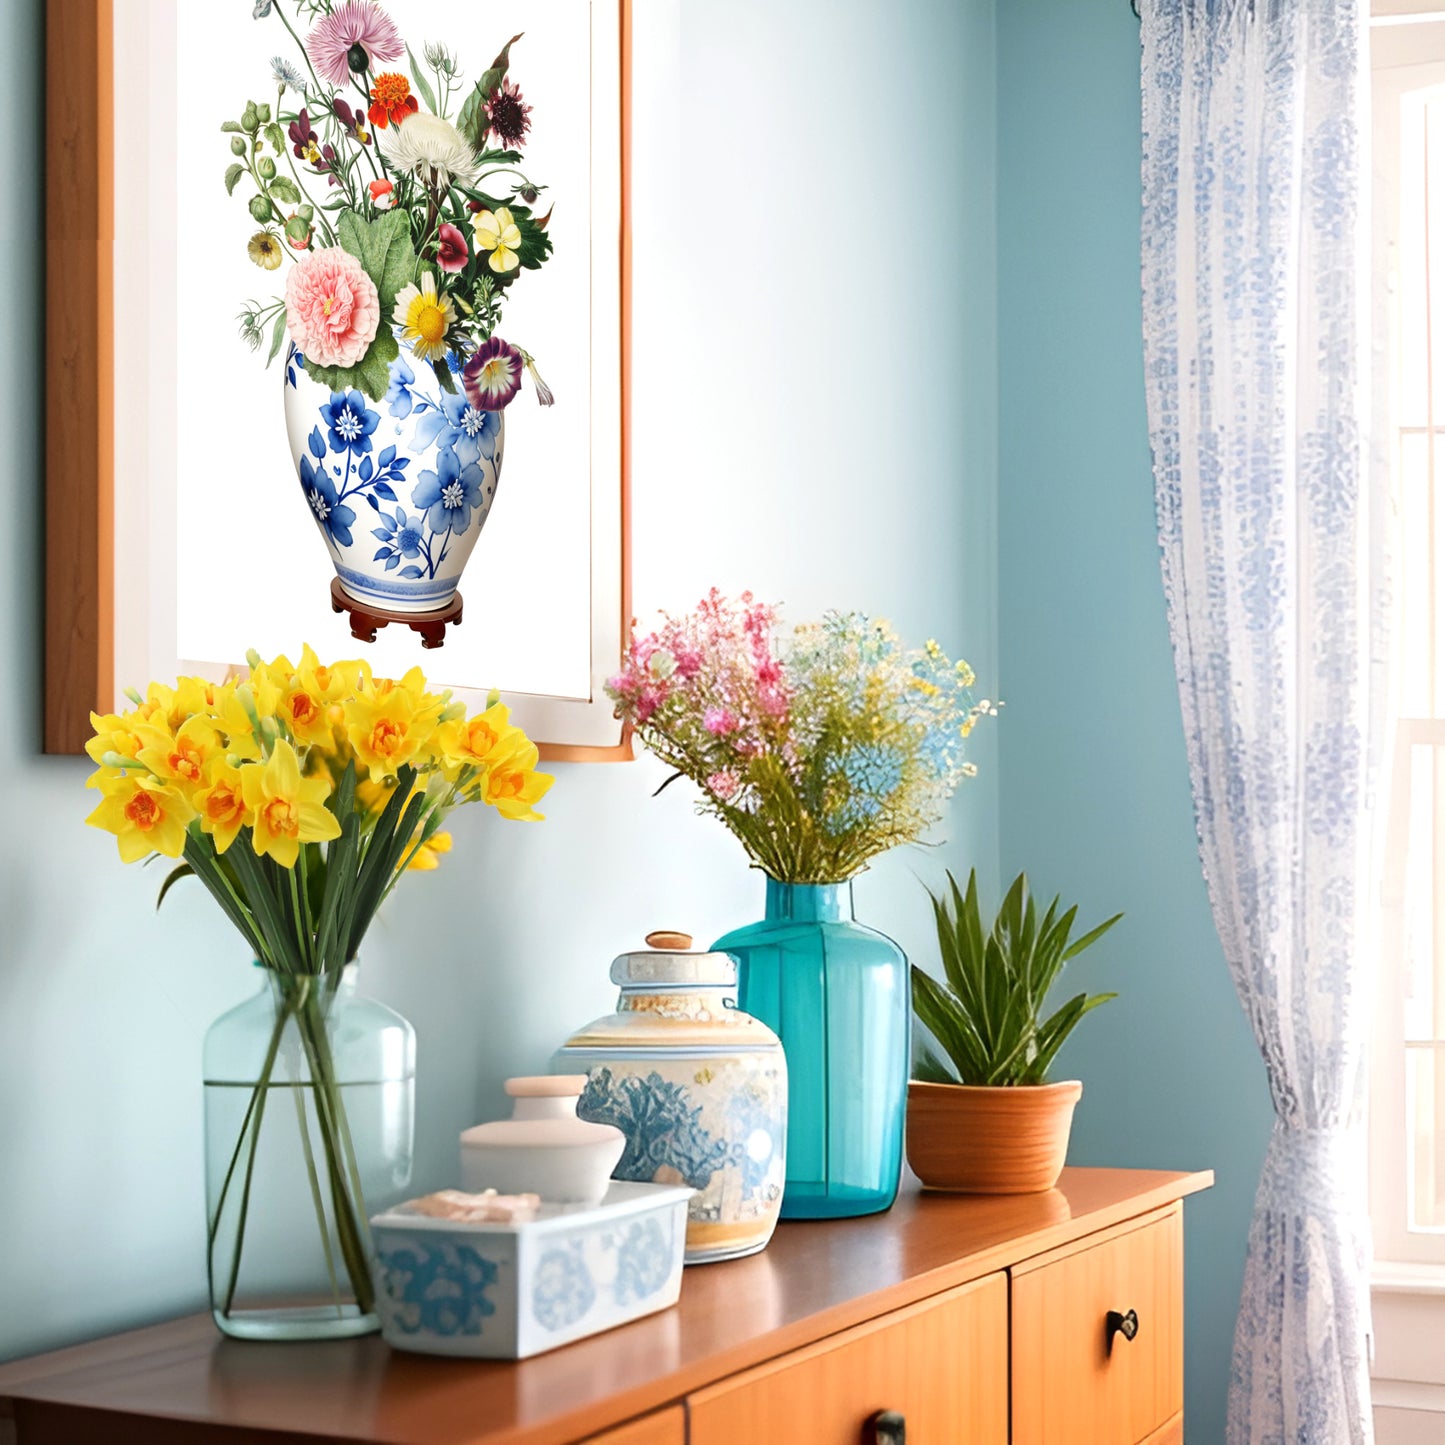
(204, 169)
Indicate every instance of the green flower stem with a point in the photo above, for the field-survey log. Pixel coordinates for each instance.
(304, 53)
(321, 221)
(316, 1199)
(256, 1114)
(346, 1191)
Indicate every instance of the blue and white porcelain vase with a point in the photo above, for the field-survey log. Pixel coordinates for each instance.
(699, 1089)
(399, 489)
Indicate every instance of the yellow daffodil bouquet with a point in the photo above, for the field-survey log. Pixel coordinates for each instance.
(298, 796)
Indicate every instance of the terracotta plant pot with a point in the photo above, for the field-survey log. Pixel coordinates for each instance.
(972, 1140)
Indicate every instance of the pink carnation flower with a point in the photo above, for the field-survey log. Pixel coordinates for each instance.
(356, 31)
(332, 309)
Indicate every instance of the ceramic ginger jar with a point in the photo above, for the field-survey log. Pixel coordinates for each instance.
(699, 1089)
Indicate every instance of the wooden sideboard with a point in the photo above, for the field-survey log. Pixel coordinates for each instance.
(977, 1320)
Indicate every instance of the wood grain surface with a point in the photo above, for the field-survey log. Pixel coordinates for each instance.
(181, 1382)
(79, 434)
(1071, 1385)
(942, 1364)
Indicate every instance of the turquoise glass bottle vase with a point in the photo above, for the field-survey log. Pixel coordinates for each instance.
(837, 995)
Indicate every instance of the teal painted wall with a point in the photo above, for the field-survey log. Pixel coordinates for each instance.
(815, 418)
(1096, 795)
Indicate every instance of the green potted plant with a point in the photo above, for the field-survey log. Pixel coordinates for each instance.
(985, 1119)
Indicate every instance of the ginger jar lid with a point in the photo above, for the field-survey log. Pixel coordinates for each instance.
(671, 961)
(674, 996)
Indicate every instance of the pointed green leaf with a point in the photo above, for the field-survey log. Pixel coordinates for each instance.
(423, 86)
(233, 174)
(181, 870)
(278, 335)
(1092, 937)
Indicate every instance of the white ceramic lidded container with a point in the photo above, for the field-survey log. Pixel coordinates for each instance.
(544, 1148)
(506, 1291)
(699, 1088)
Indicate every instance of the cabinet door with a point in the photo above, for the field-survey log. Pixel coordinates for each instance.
(1078, 1379)
(942, 1364)
(662, 1427)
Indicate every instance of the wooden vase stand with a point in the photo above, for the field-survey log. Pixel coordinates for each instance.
(366, 619)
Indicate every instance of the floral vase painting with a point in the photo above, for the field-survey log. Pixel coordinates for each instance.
(390, 196)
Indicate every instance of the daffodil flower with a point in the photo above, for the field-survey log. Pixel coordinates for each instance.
(497, 233)
(145, 814)
(286, 809)
(221, 805)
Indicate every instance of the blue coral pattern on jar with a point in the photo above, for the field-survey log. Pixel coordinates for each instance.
(715, 1123)
(399, 489)
(437, 1288)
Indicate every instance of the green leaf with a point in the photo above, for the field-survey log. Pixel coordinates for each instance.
(930, 1069)
(277, 138)
(278, 334)
(472, 118)
(535, 245)
(285, 190)
(384, 248)
(181, 870)
(422, 86)
(1092, 936)
(233, 127)
(987, 1019)
(443, 374)
(233, 174)
(370, 374)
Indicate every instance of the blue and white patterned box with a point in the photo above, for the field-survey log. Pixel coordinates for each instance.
(506, 1291)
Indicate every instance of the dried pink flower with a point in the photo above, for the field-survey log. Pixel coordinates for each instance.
(723, 785)
(332, 309)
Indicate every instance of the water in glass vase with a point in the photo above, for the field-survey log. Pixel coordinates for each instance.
(309, 1130)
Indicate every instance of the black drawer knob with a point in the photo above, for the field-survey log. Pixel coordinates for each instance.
(887, 1428)
(1117, 1324)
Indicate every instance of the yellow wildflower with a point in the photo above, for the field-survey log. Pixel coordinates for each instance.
(145, 814)
(287, 809)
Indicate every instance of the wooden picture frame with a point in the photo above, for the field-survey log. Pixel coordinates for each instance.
(80, 457)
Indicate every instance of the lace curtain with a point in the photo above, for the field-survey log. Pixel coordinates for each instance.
(1253, 238)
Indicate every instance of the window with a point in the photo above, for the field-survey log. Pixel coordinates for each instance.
(1408, 1087)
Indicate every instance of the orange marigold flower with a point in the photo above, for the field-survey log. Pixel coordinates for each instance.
(391, 100)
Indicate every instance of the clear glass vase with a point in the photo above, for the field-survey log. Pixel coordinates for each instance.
(309, 1129)
(837, 994)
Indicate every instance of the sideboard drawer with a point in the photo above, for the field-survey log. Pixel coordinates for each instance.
(942, 1364)
(1078, 1379)
(662, 1427)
